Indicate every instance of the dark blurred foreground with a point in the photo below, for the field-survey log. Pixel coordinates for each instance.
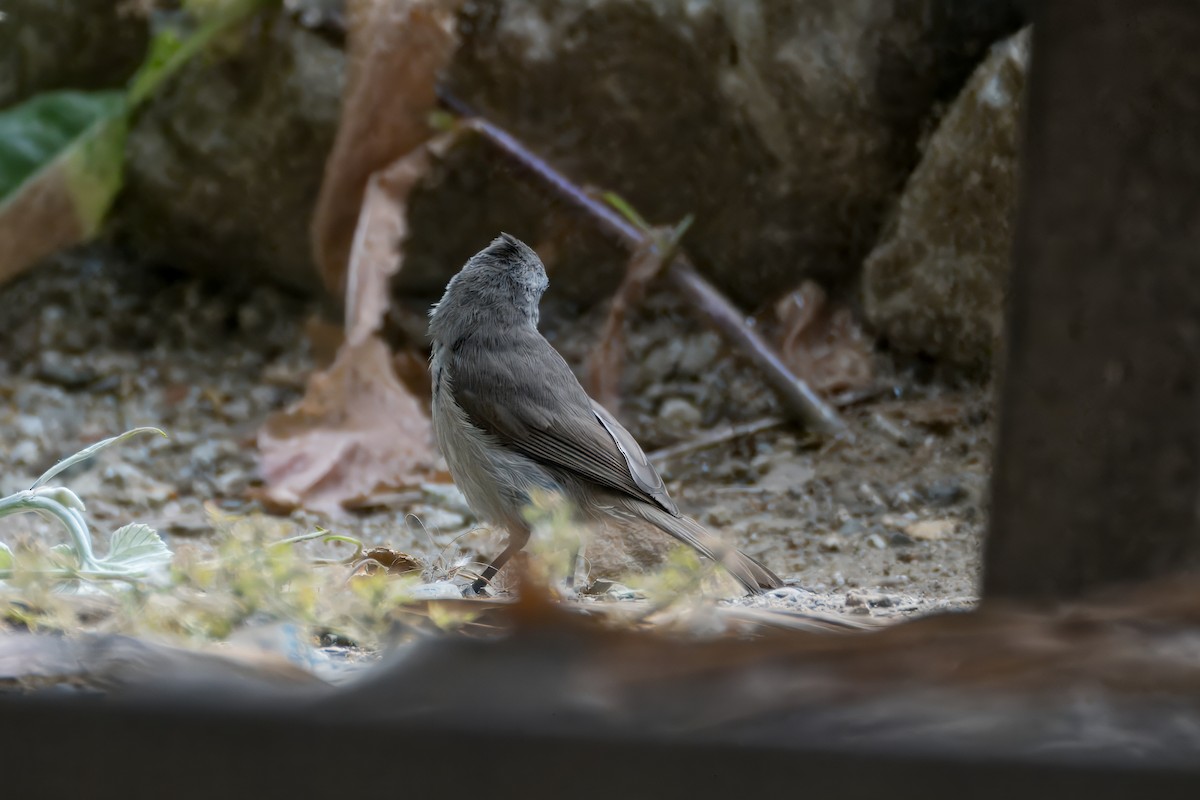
(1096, 487)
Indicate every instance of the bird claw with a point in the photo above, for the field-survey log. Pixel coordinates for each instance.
(478, 589)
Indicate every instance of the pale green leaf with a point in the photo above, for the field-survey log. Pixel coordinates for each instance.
(90, 451)
(65, 555)
(136, 548)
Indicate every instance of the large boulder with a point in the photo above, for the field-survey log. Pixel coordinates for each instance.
(67, 44)
(225, 164)
(783, 127)
(935, 282)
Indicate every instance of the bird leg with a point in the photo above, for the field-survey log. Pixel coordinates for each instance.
(518, 537)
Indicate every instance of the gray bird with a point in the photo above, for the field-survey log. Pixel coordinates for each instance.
(510, 417)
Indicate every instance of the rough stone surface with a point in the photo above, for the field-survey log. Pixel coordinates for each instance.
(67, 44)
(935, 283)
(784, 128)
(225, 164)
(469, 195)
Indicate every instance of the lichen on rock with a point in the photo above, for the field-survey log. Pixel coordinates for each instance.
(935, 283)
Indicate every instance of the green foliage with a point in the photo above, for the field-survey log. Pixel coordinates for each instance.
(37, 132)
(134, 551)
(62, 153)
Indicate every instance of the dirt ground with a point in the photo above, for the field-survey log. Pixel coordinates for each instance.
(886, 521)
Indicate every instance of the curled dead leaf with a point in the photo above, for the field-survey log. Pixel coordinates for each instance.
(386, 560)
(606, 358)
(359, 430)
(396, 48)
(822, 343)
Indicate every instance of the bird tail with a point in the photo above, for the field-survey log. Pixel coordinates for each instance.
(750, 573)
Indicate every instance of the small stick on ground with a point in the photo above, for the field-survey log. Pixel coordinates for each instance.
(798, 398)
(714, 438)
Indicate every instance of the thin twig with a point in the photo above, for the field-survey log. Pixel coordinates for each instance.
(714, 438)
(798, 398)
(731, 432)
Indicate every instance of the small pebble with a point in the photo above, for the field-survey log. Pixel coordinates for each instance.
(447, 495)
(944, 493)
(25, 453)
(69, 373)
(699, 352)
(679, 415)
(436, 519)
(29, 426)
(876, 541)
(871, 599)
(438, 590)
(851, 527)
(789, 594)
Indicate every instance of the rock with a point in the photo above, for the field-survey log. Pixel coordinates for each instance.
(787, 474)
(69, 372)
(789, 124)
(944, 493)
(438, 590)
(225, 163)
(29, 426)
(791, 595)
(678, 416)
(130, 483)
(67, 44)
(616, 552)
(876, 541)
(870, 600)
(698, 352)
(26, 453)
(447, 495)
(930, 530)
(831, 543)
(935, 282)
(438, 520)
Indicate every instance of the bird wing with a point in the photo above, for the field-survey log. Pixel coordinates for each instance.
(640, 469)
(518, 389)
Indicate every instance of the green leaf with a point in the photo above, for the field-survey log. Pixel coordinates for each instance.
(62, 153)
(6, 558)
(61, 160)
(169, 50)
(38, 131)
(65, 555)
(157, 66)
(627, 211)
(136, 548)
(90, 451)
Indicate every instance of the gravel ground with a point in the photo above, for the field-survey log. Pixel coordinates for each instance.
(885, 522)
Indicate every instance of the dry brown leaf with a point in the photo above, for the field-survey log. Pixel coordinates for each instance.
(358, 430)
(604, 362)
(46, 208)
(396, 48)
(324, 340)
(931, 530)
(936, 414)
(392, 562)
(823, 344)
